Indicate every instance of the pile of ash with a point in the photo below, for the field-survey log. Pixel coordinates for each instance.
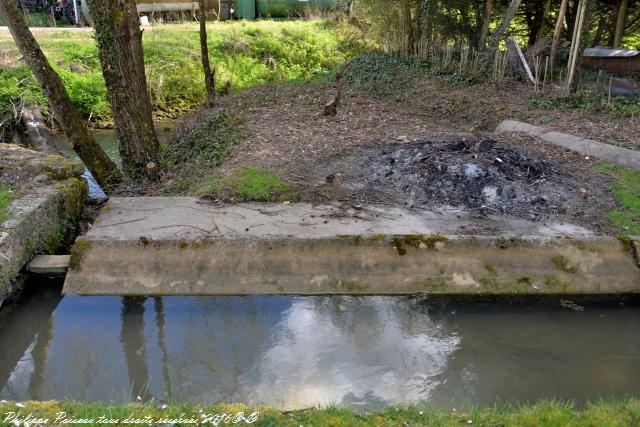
(482, 175)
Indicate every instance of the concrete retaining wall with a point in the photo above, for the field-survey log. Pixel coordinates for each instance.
(169, 246)
(43, 214)
(586, 147)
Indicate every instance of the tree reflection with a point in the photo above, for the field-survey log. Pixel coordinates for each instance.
(133, 343)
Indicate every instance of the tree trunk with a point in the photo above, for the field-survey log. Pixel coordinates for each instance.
(544, 21)
(409, 30)
(511, 11)
(484, 30)
(101, 167)
(119, 42)
(556, 33)
(622, 14)
(209, 74)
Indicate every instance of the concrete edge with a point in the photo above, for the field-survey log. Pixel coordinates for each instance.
(41, 219)
(356, 265)
(586, 147)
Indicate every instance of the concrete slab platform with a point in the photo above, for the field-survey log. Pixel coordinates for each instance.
(49, 265)
(168, 246)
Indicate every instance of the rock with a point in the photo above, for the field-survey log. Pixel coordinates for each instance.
(42, 178)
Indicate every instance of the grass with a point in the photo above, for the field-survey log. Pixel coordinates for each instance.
(40, 19)
(5, 199)
(244, 53)
(626, 187)
(251, 184)
(623, 412)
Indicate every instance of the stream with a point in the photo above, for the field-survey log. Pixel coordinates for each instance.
(106, 138)
(298, 352)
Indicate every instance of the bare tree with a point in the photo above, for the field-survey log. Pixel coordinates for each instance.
(119, 42)
(209, 73)
(506, 21)
(102, 168)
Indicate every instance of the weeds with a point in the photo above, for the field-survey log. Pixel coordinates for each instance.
(251, 184)
(626, 188)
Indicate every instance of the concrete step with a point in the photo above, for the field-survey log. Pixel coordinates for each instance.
(178, 246)
(49, 265)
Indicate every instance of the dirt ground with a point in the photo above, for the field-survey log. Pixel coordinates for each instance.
(416, 152)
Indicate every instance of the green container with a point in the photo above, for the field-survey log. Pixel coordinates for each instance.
(286, 8)
(245, 9)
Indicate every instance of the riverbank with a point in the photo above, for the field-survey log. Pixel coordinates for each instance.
(41, 200)
(395, 126)
(244, 53)
(618, 412)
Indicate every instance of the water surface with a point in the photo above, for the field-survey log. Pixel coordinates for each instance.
(294, 352)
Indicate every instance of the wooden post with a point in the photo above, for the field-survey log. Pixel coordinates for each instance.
(557, 32)
(576, 43)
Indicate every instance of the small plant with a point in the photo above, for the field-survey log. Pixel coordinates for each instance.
(252, 184)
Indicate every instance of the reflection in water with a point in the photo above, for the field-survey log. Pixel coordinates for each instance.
(303, 351)
(133, 343)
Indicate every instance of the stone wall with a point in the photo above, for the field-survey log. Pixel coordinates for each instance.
(49, 196)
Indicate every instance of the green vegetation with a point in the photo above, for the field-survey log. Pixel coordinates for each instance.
(210, 141)
(384, 74)
(623, 412)
(251, 184)
(626, 188)
(589, 101)
(244, 53)
(5, 200)
(40, 19)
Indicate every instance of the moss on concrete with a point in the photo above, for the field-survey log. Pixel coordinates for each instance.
(378, 237)
(346, 285)
(562, 263)
(78, 251)
(60, 168)
(509, 242)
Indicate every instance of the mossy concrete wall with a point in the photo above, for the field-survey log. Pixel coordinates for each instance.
(44, 213)
(165, 246)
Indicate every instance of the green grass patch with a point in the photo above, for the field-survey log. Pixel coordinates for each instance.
(622, 412)
(251, 184)
(5, 199)
(244, 54)
(626, 187)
